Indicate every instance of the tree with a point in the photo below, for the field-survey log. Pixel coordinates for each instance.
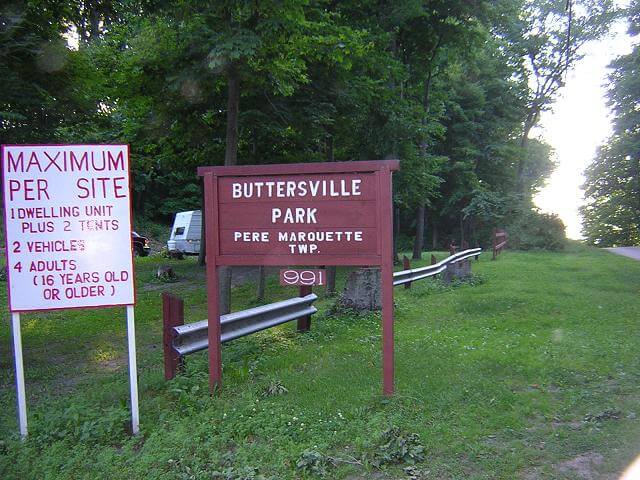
(611, 215)
(549, 35)
(37, 69)
(441, 85)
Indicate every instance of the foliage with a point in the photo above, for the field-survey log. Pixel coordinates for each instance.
(275, 388)
(612, 186)
(38, 73)
(150, 229)
(531, 230)
(443, 86)
(244, 473)
(83, 424)
(312, 461)
(548, 35)
(165, 274)
(397, 446)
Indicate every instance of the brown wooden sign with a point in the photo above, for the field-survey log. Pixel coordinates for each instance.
(337, 213)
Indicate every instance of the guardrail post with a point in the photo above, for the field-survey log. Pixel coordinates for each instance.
(406, 265)
(172, 316)
(477, 246)
(304, 323)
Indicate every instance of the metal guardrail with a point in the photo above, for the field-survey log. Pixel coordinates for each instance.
(411, 275)
(193, 337)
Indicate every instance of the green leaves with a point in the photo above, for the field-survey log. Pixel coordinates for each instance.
(612, 187)
(397, 446)
(441, 85)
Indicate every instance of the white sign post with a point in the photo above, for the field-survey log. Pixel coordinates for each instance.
(68, 238)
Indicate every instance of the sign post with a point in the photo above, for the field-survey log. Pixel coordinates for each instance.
(133, 369)
(68, 238)
(20, 391)
(337, 213)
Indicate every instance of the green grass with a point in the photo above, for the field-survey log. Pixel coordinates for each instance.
(531, 365)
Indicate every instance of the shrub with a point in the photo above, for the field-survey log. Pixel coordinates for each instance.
(404, 242)
(532, 229)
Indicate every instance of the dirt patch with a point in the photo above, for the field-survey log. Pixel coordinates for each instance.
(571, 425)
(375, 476)
(603, 416)
(583, 466)
(534, 473)
(112, 364)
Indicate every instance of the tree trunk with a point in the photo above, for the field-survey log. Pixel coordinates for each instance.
(473, 236)
(331, 280)
(434, 234)
(254, 147)
(331, 269)
(261, 282)
(461, 230)
(329, 149)
(230, 158)
(529, 123)
(233, 112)
(393, 149)
(94, 21)
(82, 30)
(362, 290)
(418, 242)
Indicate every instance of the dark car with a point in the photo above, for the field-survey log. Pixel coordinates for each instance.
(140, 245)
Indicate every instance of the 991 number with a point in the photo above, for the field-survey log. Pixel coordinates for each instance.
(290, 277)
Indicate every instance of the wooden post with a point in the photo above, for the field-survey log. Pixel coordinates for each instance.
(433, 259)
(406, 265)
(385, 225)
(213, 307)
(172, 316)
(304, 323)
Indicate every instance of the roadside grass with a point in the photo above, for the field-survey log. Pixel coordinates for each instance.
(531, 370)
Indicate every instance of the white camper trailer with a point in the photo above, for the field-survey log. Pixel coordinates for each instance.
(185, 233)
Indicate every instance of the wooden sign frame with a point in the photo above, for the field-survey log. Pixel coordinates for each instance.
(374, 177)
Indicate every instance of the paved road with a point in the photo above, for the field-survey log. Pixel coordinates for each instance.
(631, 252)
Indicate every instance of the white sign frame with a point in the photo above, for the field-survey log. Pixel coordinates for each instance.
(60, 202)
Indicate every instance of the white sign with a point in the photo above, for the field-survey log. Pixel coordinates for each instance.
(68, 226)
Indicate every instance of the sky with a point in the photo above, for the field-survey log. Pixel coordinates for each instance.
(577, 124)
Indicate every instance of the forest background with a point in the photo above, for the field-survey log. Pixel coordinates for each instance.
(451, 88)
